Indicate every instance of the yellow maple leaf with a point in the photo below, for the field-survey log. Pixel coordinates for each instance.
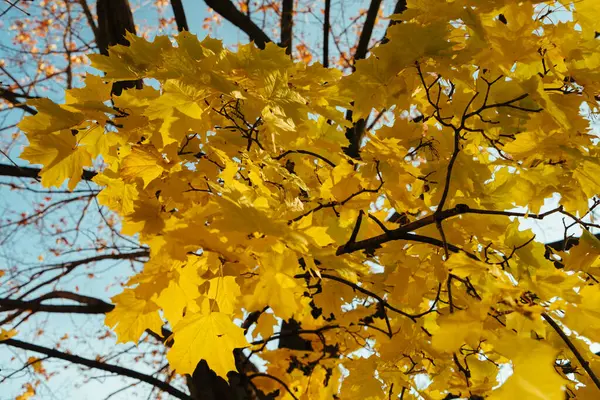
(211, 337)
(181, 296)
(60, 157)
(143, 162)
(463, 266)
(456, 329)
(225, 291)
(278, 290)
(582, 256)
(587, 14)
(50, 118)
(132, 316)
(117, 195)
(95, 90)
(584, 318)
(534, 376)
(276, 287)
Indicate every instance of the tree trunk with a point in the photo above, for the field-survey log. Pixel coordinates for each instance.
(114, 20)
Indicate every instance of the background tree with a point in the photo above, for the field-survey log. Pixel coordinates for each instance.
(371, 306)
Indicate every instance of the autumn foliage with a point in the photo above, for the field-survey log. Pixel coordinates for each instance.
(264, 187)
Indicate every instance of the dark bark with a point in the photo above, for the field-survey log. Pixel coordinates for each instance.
(87, 305)
(204, 383)
(179, 14)
(90, 18)
(34, 173)
(114, 20)
(287, 24)
(367, 31)
(398, 9)
(356, 133)
(326, 29)
(13, 98)
(115, 369)
(227, 10)
(290, 339)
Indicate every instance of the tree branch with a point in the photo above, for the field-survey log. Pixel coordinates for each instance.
(287, 24)
(365, 35)
(115, 369)
(403, 232)
(565, 338)
(89, 305)
(179, 14)
(115, 19)
(70, 266)
(13, 98)
(34, 173)
(326, 29)
(227, 10)
(90, 18)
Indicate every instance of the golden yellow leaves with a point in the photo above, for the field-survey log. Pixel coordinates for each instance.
(459, 328)
(235, 177)
(225, 291)
(277, 287)
(587, 174)
(116, 195)
(534, 376)
(60, 157)
(201, 330)
(587, 15)
(143, 162)
(463, 266)
(584, 318)
(130, 62)
(132, 316)
(4, 334)
(211, 337)
(59, 137)
(584, 255)
(50, 118)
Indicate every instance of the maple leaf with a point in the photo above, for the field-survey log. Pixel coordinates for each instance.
(60, 156)
(132, 316)
(144, 162)
(211, 337)
(534, 375)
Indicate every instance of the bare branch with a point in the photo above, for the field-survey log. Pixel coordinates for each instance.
(90, 18)
(227, 10)
(99, 365)
(88, 305)
(365, 35)
(34, 173)
(584, 363)
(179, 14)
(13, 98)
(326, 29)
(287, 24)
